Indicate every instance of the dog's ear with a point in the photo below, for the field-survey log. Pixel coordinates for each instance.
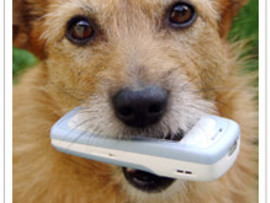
(228, 10)
(27, 20)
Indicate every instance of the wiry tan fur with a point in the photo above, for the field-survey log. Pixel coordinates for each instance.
(133, 46)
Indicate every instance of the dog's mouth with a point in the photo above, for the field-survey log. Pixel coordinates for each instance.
(145, 181)
(148, 182)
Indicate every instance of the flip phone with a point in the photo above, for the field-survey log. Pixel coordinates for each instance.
(205, 153)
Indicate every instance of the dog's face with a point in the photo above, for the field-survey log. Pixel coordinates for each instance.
(137, 67)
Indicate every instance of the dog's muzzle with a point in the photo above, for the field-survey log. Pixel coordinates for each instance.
(145, 181)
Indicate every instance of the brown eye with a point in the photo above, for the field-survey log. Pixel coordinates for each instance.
(182, 15)
(79, 30)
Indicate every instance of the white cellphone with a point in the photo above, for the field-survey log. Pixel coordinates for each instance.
(205, 153)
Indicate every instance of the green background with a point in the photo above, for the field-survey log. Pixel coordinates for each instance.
(245, 26)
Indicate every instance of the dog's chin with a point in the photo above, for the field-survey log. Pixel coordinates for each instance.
(145, 181)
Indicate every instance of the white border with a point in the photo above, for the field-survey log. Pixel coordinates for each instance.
(262, 98)
(267, 42)
(2, 103)
(8, 101)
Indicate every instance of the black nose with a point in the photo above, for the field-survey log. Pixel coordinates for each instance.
(140, 108)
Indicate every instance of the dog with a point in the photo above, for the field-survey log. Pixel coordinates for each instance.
(135, 67)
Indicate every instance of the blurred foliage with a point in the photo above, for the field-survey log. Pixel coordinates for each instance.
(21, 60)
(245, 26)
(246, 23)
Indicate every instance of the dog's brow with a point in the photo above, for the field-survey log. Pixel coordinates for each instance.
(175, 1)
(84, 6)
(87, 9)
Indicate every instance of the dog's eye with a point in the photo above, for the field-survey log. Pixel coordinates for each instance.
(79, 30)
(182, 15)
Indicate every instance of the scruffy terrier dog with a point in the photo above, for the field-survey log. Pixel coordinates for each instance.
(149, 67)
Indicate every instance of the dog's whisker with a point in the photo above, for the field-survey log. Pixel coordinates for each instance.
(77, 128)
(219, 89)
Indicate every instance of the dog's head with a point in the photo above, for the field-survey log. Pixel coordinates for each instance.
(137, 67)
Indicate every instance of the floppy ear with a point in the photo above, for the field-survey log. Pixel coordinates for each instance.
(228, 10)
(27, 27)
